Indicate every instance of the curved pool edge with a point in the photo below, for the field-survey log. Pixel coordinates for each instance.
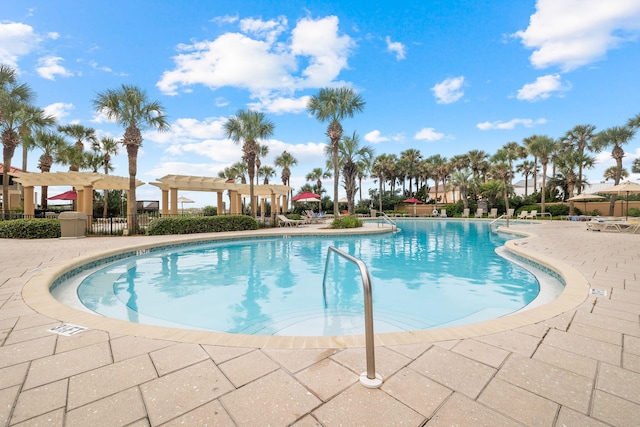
(36, 294)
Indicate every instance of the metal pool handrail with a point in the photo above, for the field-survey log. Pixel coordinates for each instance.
(385, 217)
(369, 378)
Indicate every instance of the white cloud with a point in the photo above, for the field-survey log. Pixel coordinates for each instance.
(53, 35)
(281, 105)
(49, 67)
(187, 130)
(573, 33)
(396, 47)
(375, 137)
(449, 90)
(542, 88)
(511, 124)
(268, 69)
(16, 40)
(428, 134)
(59, 110)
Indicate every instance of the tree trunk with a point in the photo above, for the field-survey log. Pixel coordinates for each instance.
(544, 184)
(132, 203)
(10, 142)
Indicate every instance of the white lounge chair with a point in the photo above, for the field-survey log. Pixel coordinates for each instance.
(479, 213)
(493, 213)
(533, 214)
(283, 221)
(523, 214)
(443, 213)
(510, 212)
(465, 213)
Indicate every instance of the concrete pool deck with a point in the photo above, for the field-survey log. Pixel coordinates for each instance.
(578, 364)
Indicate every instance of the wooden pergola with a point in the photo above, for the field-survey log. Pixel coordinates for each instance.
(84, 182)
(171, 184)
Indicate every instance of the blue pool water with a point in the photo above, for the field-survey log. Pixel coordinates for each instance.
(431, 274)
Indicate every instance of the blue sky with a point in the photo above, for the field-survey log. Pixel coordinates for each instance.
(444, 77)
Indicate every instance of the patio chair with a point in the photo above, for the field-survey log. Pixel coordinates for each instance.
(533, 214)
(283, 221)
(493, 213)
(523, 214)
(479, 213)
(465, 213)
(510, 212)
(443, 213)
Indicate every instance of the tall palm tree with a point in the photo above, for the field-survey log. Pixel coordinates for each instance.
(568, 163)
(412, 158)
(635, 166)
(634, 122)
(364, 169)
(527, 143)
(462, 180)
(50, 143)
(17, 118)
(527, 168)
(350, 152)
(502, 172)
(107, 146)
(80, 135)
(261, 153)
(581, 139)
(380, 168)
(286, 161)
(131, 108)
(614, 138)
(611, 172)
(543, 147)
(435, 165)
(248, 126)
(478, 162)
(513, 151)
(334, 105)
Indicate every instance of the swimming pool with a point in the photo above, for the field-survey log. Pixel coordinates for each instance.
(432, 274)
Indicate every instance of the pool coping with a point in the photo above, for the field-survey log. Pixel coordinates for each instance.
(36, 294)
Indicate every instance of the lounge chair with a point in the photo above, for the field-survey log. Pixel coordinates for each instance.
(613, 225)
(479, 213)
(510, 212)
(465, 213)
(443, 213)
(533, 214)
(493, 213)
(283, 221)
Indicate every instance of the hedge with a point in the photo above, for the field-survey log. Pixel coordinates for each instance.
(35, 228)
(346, 222)
(201, 224)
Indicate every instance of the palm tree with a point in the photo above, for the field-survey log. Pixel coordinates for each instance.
(635, 166)
(527, 143)
(249, 126)
(261, 153)
(80, 134)
(478, 162)
(527, 168)
(266, 172)
(50, 143)
(106, 146)
(380, 167)
(580, 138)
(350, 152)
(614, 138)
(568, 163)
(411, 158)
(634, 122)
(462, 180)
(543, 147)
(17, 118)
(317, 175)
(364, 169)
(286, 161)
(503, 173)
(333, 105)
(611, 171)
(130, 107)
(435, 164)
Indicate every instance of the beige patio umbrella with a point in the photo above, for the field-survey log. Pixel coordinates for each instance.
(584, 197)
(182, 200)
(627, 188)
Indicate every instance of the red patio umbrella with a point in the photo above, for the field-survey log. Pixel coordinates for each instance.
(67, 195)
(414, 201)
(306, 196)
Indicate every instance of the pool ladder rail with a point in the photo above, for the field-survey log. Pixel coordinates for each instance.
(369, 378)
(392, 223)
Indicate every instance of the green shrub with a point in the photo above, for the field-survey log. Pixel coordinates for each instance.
(35, 228)
(346, 222)
(635, 212)
(204, 224)
(210, 211)
(557, 210)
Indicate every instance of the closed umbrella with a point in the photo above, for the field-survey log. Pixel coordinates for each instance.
(182, 200)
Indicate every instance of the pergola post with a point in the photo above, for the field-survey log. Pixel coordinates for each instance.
(232, 202)
(165, 203)
(29, 208)
(80, 199)
(274, 207)
(174, 201)
(87, 195)
(220, 203)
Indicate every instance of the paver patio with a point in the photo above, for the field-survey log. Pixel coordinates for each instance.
(575, 368)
